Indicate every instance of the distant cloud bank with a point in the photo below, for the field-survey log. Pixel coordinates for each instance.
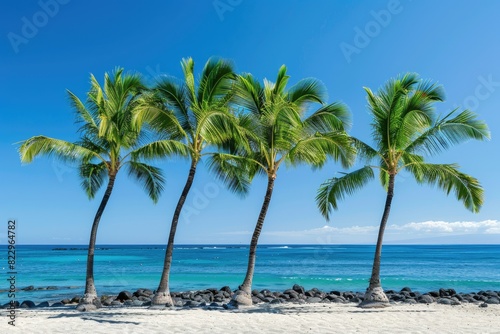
(483, 227)
(487, 231)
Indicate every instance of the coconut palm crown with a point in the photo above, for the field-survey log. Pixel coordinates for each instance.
(406, 129)
(195, 113)
(282, 127)
(110, 140)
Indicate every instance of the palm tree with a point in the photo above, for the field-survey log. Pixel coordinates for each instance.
(109, 141)
(199, 118)
(280, 131)
(406, 129)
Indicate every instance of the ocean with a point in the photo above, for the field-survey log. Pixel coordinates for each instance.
(58, 272)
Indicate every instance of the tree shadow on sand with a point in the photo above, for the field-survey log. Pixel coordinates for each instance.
(319, 309)
(100, 317)
(284, 309)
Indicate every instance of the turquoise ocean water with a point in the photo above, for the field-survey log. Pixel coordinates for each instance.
(465, 268)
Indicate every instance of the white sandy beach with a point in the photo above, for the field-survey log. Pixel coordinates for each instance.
(285, 318)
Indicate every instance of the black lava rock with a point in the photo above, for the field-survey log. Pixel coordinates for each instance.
(226, 289)
(298, 288)
(27, 304)
(43, 304)
(493, 300)
(124, 295)
(425, 298)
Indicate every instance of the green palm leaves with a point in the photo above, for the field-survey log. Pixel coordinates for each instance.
(195, 114)
(447, 177)
(280, 127)
(406, 129)
(337, 188)
(110, 140)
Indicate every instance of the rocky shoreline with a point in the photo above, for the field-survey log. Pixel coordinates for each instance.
(220, 298)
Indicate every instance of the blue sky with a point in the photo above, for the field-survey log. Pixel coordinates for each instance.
(49, 46)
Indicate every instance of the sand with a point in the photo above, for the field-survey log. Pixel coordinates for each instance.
(284, 318)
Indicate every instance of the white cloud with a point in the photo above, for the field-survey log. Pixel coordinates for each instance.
(327, 230)
(348, 230)
(421, 231)
(493, 230)
(483, 227)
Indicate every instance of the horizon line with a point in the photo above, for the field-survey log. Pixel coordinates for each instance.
(267, 244)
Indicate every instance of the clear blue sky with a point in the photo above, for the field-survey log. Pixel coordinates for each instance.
(46, 49)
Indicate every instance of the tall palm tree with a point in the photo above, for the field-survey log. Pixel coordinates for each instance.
(406, 129)
(197, 115)
(109, 142)
(283, 129)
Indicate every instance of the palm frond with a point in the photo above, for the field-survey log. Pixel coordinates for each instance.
(278, 87)
(216, 127)
(363, 150)
(244, 135)
(189, 81)
(383, 177)
(175, 95)
(281, 114)
(331, 117)
(248, 94)
(156, 115)
(448, 178)
(61, 149)
(402, 83)
(306, 91)
(315, 150)
(93, 176)
(120, 90)
(388, 108)
(98, 147)
(408, 159)
(337, 188)
(378, 109)
(427, 91)
(149, 177)
(450, 131)
(236, 172)
(95, 97)
(216, 81)
(85, 115)
(411, 124)
(160, 149)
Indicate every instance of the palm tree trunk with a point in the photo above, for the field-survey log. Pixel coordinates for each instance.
(162, 295)
(244, 294)
(375, 294)
(90, 296)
